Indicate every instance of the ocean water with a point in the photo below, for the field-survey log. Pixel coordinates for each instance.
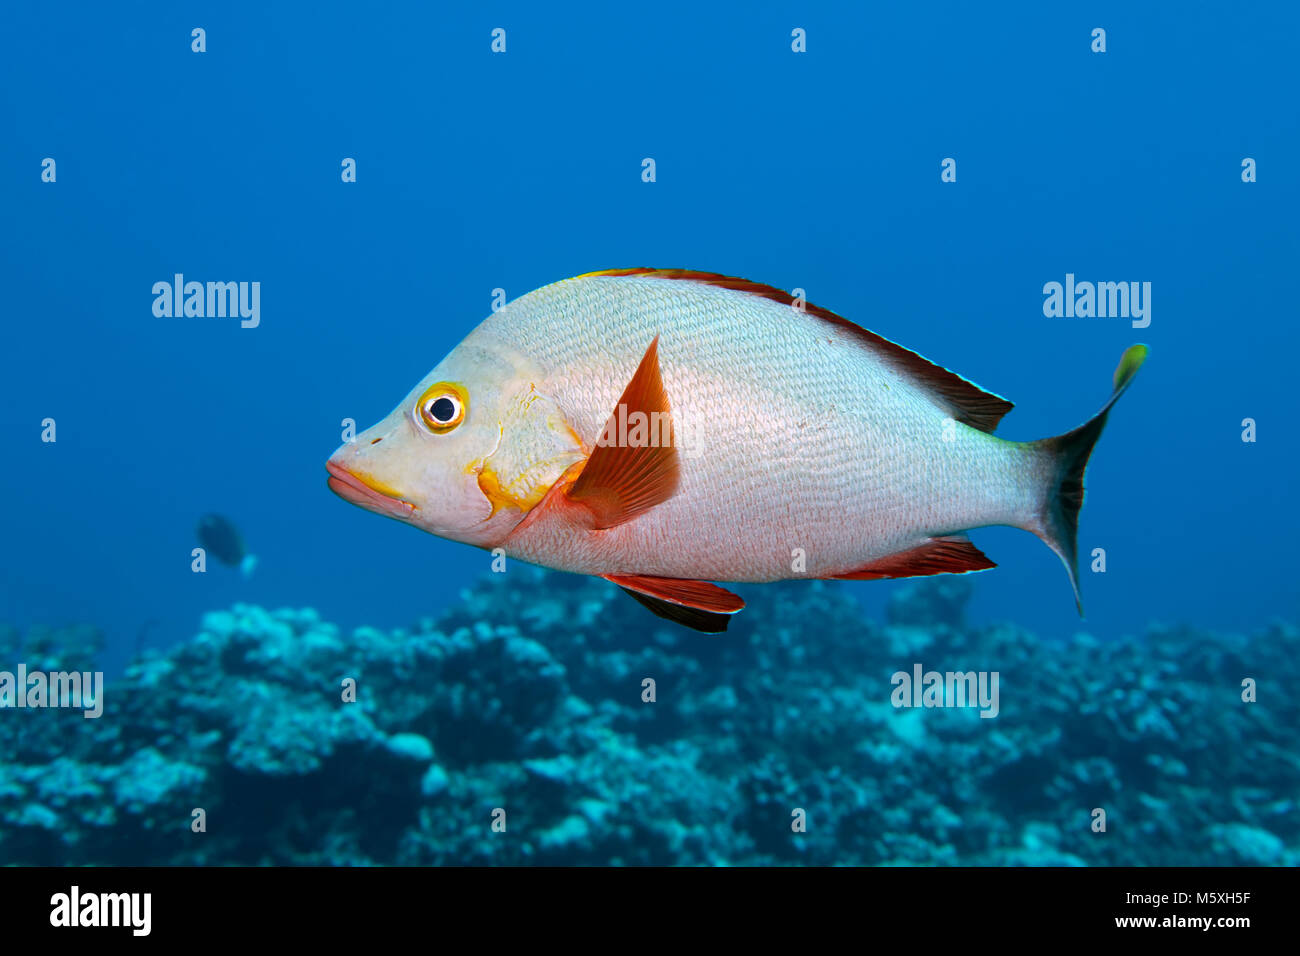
(478, 170)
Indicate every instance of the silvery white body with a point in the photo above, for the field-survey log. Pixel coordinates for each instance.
(796, 437)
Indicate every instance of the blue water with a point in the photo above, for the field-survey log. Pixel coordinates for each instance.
(477, 170)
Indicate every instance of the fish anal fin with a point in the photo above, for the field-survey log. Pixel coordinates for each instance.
(966, 401)
(635, 464)
(698, 605)
(952, 554)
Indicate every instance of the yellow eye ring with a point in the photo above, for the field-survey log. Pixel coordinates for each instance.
(442, 407)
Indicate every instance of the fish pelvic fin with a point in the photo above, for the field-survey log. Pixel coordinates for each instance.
(1058, 523)
(247, 565)
(699, 605)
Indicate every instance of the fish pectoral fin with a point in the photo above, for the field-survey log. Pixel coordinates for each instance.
(698, 605)
(635, 465)
(951, 554)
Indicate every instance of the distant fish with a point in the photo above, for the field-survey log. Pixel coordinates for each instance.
(815, 448)
(221, 539)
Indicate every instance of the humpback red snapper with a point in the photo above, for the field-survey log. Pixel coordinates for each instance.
(666, 429)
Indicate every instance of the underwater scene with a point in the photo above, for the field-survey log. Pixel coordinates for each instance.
(585, 437)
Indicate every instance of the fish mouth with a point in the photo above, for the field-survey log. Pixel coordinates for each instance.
(356, 490)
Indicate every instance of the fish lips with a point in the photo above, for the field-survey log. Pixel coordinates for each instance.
(354, 489)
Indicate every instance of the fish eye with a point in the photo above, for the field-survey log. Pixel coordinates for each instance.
(442, 407)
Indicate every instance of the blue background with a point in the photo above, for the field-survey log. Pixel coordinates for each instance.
(478, 171)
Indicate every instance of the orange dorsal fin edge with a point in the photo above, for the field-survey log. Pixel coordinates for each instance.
(949, 555)
(968, 403)
(635, 465)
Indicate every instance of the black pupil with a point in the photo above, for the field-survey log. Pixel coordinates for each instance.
(443, 410)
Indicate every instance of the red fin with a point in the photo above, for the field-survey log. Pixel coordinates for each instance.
(635, 464)
(683, 591)
(950, 555)
(968, 403)
(704, 621)
(695, 604)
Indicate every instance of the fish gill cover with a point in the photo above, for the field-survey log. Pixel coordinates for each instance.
(523, 704)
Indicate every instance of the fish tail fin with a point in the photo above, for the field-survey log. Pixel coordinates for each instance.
(247, 565)
(1058, 523)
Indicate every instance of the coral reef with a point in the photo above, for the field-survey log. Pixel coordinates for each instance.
(524, 705)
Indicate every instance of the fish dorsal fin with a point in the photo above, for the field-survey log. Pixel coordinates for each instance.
(967, 402)
(695, 604)
(953, 554)
(635, 465)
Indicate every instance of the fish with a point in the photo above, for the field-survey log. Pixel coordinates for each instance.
(668, 429)
(221, 539)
